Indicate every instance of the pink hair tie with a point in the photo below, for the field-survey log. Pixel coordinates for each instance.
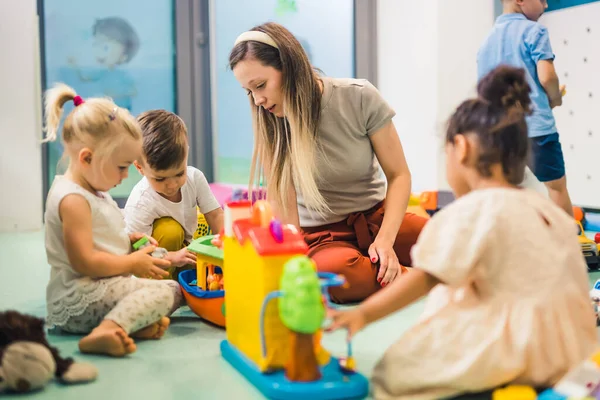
(77, 100)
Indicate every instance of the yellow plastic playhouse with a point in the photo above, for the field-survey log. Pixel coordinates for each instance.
(257, 250)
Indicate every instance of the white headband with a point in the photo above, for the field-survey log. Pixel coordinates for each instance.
(256, 36)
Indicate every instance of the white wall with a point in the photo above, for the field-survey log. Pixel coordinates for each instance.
(20, 157)
(462, 26)
(577, 62)
(427, 66)
(407, 79)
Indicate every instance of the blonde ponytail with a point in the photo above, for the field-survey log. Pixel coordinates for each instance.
(53, 105)
(96, 122)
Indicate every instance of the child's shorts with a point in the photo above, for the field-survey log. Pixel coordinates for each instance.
(547, 161)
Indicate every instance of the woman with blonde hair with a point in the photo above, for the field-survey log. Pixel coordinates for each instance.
(319, 143)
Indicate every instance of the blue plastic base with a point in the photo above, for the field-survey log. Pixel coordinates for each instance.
(592, 222)
(550, 394)
(333, 385)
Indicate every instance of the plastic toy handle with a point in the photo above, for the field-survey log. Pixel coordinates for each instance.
(262, 213)
(276, 230)
(140, 244)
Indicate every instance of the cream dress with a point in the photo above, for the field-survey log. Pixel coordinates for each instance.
(514, 305)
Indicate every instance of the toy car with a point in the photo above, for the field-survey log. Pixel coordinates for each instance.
(595, 300)
(589, 249)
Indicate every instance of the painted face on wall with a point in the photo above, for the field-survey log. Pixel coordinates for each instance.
(108, 52)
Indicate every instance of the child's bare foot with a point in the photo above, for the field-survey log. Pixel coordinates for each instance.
(153, 331)
(108, 338)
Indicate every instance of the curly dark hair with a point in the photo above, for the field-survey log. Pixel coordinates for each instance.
(497, 118)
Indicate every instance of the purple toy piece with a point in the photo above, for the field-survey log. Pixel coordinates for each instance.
(242, 194)
(276, 230)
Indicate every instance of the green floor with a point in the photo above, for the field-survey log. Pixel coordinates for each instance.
(186, 363)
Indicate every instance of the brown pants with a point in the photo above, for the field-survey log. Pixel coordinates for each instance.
(342, 248)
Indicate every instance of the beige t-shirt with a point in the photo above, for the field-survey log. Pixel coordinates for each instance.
(350, 177)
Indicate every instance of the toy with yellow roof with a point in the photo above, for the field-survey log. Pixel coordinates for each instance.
(275, 306)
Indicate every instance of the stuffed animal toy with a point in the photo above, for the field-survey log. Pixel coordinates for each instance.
(28, 362)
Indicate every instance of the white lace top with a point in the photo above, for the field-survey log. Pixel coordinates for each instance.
(69, 293)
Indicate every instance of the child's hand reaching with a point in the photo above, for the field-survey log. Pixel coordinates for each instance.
(217, 242)
(353, 320)
(143, 265)
(181, 257)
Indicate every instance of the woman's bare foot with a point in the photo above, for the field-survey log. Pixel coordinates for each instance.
(153, 331)
(108, 338)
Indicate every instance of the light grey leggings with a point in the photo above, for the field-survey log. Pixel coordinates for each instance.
(131, 303)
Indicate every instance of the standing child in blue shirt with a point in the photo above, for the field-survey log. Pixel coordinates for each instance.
(517, 39)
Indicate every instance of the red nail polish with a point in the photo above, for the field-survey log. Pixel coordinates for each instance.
(373, 259)
(379, 280)
(383, 285)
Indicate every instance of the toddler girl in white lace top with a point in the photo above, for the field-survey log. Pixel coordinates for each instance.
(91, 289)
(506, 279)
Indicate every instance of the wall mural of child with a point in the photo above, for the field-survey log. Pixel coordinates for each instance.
(115, 44)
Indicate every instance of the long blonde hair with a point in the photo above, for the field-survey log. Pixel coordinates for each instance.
(285, 149)
(95, 122)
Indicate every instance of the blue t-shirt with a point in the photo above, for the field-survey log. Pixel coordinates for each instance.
(519, 42)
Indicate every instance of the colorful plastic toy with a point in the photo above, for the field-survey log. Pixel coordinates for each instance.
(434, 201)
(415, 207)
(276, 345)
(595, 300)
(589, 248)
(583, 382)
(158, 252)
(206, 298)
(203, 228)
(579, 214)
(515, 392)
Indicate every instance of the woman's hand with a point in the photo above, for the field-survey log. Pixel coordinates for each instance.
(389, 266)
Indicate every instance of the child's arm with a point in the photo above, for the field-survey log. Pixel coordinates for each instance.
(215, 219)
(401, 292)
(76, 217)
(549, 80)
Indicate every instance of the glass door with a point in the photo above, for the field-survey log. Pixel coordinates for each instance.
(326, 30)
(124, 50)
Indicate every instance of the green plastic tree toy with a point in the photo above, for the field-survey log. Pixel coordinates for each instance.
(302, 311)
